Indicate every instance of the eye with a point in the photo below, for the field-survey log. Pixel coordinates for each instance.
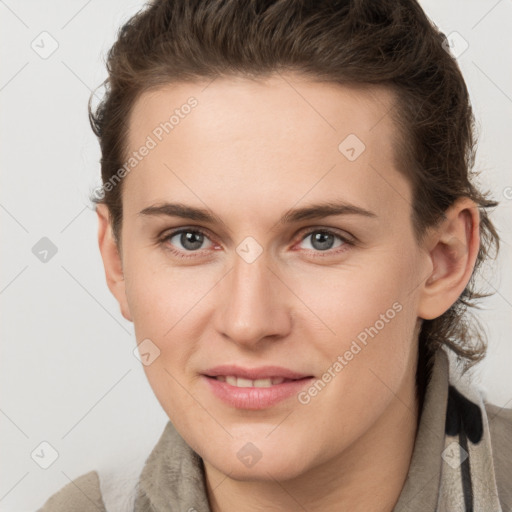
(324, 240)
(190, 240)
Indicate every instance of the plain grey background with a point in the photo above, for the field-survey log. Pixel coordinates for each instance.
(68, 373)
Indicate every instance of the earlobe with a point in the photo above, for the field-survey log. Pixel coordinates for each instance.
(112, 260)
(453, 249)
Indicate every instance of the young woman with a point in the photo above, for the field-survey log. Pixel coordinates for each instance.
(288, 218)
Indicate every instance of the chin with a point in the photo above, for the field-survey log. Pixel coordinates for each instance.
(247, 464)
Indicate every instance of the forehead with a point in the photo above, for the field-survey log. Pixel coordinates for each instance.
(277, 138)
(225, 103)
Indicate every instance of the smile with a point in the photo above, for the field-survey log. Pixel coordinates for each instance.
(242, 393)
(241, 382)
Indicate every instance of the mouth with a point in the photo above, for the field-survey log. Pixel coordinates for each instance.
(241, 382)
(255, 374)
(258, 388)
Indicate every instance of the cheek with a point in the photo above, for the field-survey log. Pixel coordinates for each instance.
(164, 310)
(343, 301)
(160, 295)
(365, 316)
(367, 366)
(170, 307)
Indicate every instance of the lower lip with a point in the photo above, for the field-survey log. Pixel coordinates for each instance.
(256, 398)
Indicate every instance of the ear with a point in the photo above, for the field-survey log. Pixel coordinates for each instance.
(112, 260)
(452, 248)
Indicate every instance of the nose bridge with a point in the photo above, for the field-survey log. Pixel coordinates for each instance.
(250, 305)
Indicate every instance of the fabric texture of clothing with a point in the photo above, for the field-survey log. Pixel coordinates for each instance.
(461, 462)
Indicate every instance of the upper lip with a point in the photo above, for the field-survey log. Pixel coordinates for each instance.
(263, 372)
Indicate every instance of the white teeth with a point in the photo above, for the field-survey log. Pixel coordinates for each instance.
(240, 382)
(243, 383)
(231, 380)
(262, 383)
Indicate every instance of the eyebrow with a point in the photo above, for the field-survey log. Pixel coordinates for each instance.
(294, 215)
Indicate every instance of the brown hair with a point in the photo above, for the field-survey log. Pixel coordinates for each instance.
(390, 43)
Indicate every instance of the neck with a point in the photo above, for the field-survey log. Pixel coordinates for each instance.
(368, 475)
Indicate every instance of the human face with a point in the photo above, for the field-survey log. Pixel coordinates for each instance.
(252, 291)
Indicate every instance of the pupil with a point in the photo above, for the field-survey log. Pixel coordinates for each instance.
(191, 240)
(322, 241)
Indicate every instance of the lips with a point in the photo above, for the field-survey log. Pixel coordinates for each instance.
(253, 374)
(254, 388)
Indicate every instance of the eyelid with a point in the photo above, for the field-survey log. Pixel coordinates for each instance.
(348, 242)
(167, 234)
(343, 235)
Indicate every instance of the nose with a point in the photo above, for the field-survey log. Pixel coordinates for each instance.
(254, 306)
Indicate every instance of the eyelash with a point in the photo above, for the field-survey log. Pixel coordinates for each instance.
(330, 252)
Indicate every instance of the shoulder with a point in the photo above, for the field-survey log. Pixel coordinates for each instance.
(500, 427)
(83, 494)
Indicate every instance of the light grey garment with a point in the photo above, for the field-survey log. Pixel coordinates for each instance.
(172, 478)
